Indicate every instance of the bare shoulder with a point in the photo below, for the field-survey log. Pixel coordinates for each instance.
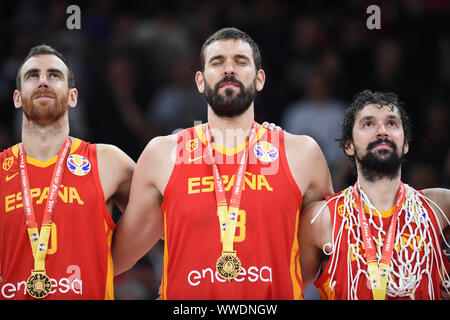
(157, 161)
(294, 142)
(112, 159)
(115, 170)
(160, 147)
(436, 194)
(441, 197)
(108, 152)
(302, 148)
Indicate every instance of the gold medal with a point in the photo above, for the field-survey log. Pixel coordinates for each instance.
(228, 265)
(38, 285)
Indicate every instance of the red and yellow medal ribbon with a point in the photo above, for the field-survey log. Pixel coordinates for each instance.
(39, 240)
(228, 215)
(378, 274)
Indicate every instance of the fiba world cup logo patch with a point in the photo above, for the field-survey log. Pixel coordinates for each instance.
(78, 165)
(266, 151)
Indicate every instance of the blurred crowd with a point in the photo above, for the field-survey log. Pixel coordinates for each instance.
(134, 64)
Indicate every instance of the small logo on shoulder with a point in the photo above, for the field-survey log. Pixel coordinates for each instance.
(192, 145)
(7, 163)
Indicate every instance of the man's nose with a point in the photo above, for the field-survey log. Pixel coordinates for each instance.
(229, 68)
(381, 131)
(43, 80)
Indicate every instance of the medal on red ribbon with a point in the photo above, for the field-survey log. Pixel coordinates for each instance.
(39, 284)
(228, 265)
(378, 274)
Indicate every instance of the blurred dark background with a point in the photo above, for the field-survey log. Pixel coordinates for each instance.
(134, 64)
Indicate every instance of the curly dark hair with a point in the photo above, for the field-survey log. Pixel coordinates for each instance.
(380, 99)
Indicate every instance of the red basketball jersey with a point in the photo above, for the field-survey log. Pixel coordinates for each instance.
(78, 259)
(349, 247)
(266, 232)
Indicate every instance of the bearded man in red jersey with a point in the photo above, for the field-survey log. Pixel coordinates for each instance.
(226, 195)
(57, 193)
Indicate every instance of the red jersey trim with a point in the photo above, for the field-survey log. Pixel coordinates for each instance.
(165, 264)
(109, 225)
(287, 170)
(98, 184)
(176, 167)
(296, 275)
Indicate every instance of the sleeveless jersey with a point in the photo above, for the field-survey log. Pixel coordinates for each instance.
(266, 231)
(363, 288)
(78, 259)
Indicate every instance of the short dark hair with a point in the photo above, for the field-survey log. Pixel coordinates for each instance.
(380, 99)
(233, 34)
(45, 49)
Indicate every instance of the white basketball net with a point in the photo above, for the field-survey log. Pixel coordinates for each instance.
(407, 268)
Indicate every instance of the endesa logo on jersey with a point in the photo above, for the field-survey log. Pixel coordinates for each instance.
(78, 165)
(72, 284)
(250, 274)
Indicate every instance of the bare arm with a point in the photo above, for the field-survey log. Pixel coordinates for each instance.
(312, 175)
(309, 168)
(141, 226)
(115, 170)
(312, 239)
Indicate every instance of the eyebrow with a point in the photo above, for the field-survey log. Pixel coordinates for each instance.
(215, 57)
(238, 56)
(390, 116)
(242, 56)
(50, 70)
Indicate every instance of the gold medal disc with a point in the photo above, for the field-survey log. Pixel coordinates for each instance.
(38, 285)
(228, 265)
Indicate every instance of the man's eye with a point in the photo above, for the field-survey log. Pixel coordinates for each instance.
(393, 123)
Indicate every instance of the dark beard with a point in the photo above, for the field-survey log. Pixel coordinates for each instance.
(382, 163)
(229, 106)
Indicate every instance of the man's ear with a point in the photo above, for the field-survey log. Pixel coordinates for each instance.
(200, 81)
(73, 97)
(260, 79)
(349, 148)
(406, 147)
(17, 97)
